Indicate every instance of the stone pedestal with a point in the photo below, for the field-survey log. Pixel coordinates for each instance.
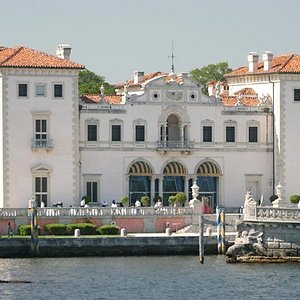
(279, 202)
(123, 232)
(77, 233)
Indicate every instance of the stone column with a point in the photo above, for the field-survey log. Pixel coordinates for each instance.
(160, 186)
(164, 135)
(181, 135)
(152, 190)
(186, 187)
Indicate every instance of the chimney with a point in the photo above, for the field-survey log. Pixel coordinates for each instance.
(138, 77)
(267, 58)
(253, 60)
(63, 51)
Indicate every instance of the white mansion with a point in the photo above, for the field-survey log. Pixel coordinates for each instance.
(157, 136)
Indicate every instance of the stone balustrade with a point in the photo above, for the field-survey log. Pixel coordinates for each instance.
(96, 211)
(252, 212)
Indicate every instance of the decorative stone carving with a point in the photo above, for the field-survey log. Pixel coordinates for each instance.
(246, 244)
(265, 100)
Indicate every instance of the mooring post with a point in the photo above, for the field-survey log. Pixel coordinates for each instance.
(201, 238)
(34, 229)
(220, 229)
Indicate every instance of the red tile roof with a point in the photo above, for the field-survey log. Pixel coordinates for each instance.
(146, 78)
(23, 57)
(288, 63)
(246, 96)
(246, 91)
(95, 98)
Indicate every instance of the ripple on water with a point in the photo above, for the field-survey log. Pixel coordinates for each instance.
(168, 277)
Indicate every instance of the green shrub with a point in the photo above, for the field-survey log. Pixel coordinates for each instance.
(124, 200)
(85, 228)
(57, 229)
(145, 200)
(295, 199)
(273, 198)
(26, 230)
(172, 199)
(87, 199)
(181, 197)
(108, 230)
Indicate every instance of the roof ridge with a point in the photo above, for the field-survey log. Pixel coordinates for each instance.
(14, 54)
(292, 55)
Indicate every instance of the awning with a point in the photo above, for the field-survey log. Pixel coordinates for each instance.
(174, 169)
(140, 168)
(208, 169)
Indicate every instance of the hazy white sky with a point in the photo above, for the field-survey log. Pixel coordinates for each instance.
(116, 37)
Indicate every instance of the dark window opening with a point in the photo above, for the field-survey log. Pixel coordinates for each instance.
(58, 91)
(252, 134)
(207, 134)
(92, 133)
(116, 133)
(22, 90)
(230, 134)
(139, 133)
(296, 94)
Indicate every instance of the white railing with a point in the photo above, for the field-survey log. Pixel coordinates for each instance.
(95, 211)
(271, 214)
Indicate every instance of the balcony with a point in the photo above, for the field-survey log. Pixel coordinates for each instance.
(170, 146)
(45, 144)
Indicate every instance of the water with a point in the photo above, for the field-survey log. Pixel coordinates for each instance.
(170, 277)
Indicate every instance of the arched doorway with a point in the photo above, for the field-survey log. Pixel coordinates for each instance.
(173, 129)
(140, 174)
(173, 181)
(208, 174)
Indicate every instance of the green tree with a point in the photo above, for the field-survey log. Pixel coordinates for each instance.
(90, 83)
(209, 73)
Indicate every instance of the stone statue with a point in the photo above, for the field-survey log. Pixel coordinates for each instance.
(262, 201)
(246, 244)
(265, 100)
(249, 198)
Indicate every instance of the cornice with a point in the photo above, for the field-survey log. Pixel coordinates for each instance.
(39, 72)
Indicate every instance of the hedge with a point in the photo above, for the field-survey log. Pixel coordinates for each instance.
(26, 230)
(57, 229)
(108, 230)
(85, 228)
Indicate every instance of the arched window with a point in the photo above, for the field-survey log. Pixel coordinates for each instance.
(207, 180)
(140, 174)
(173, 182)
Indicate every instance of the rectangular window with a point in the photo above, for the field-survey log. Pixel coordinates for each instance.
(92, 133)
(252, 134)
(41, 190)
(23, 90)
(207, 134)
(92, 190)
(58, 90)
(41, 132)
(296, 94)
(40, 90)
(230, 134)
(116, 133)
(139, 133)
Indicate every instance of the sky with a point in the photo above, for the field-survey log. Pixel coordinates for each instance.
(114, 38)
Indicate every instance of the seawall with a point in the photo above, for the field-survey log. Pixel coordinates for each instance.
(107, 246)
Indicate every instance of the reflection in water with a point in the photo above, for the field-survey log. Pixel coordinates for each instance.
(169, 277)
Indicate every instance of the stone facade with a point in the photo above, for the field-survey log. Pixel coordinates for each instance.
(157, 136)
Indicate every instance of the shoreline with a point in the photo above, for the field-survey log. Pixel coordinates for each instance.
(264, 259)
(107, 246)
